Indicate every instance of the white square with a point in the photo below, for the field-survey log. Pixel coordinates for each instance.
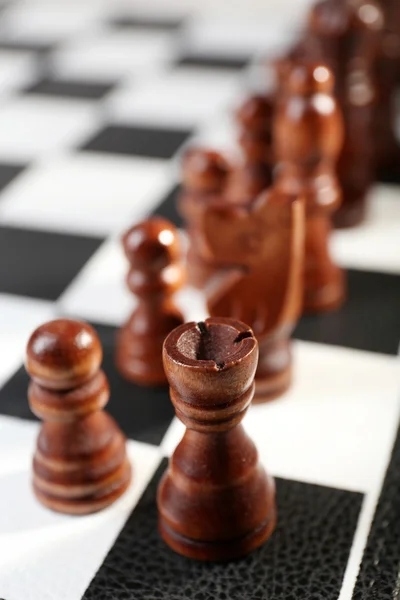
(33, 127)
(19, 317)
(44, 554)
(17, 70)
(86, 193)
(112, 54)
(335, 426)
(182, 97)
(374, 245)
(99, 292)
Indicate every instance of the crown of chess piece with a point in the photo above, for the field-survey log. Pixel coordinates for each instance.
(80, 464)
(263, 244)
(345, 35)
(254, 174)
(155, 274)
(215, 500)
(308, 135)
(204, 178)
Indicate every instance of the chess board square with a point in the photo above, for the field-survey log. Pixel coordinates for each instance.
(210, 61)
(373, 245)
(40, 48)
(147, 22)
(112, 54)
(144, 413)
(324, 409)
(45, 21)
(368, 320)
(95, 194)
(33, 127)
(17, 69)
(314, 535)
(66, 88)
(180, 98)
(18, 318)
(41, 264)
(168, 207)
(8, 172)
(138, 141)
(71, 548)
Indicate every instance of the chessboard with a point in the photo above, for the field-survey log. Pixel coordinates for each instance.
(97, 102)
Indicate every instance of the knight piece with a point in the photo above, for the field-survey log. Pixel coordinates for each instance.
(308, 135)
(80, 464)
(155, 274)
(263, 244)
(204, 178)
(345, 35)
(215, 500)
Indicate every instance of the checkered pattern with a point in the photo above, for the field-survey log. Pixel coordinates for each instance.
(97, 101)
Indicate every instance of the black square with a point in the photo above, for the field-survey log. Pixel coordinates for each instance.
(41, 264)
(144, 413)
(70, 89)
(369, 319)
(140, 141)
(142, 22)
(213, 61)
(304, 559)
(8, 173)
(168, 207)
(38, 47)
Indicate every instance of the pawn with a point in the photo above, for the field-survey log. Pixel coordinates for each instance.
(308, 136)
(204, 178)
(80, 464)
(155, 274)
(215, 501)
(254, 175)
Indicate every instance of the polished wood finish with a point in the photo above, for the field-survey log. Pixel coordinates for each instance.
(308, 136)
(80, 464)
(204, 178)
(345, 35)
(263, 243)
(155, 274)
(215, 500)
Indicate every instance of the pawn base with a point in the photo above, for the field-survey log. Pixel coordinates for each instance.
(327, 297)
(350, 214)
(273, 386)
(221, 550)
(84, 505)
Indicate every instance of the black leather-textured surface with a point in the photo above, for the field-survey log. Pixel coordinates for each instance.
(378, 578)
(304, 560)
(369, 319)
(144, 413)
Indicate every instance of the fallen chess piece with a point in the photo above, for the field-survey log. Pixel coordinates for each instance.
(80, 464)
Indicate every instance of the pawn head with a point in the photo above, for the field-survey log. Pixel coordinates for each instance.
(152, 244)
(204, 170)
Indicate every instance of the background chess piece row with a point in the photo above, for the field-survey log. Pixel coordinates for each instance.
(80, 464)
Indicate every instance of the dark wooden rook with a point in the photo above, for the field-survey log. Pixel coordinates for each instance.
(155, 274)
(80, 464)
(215, 500)
(308, 136)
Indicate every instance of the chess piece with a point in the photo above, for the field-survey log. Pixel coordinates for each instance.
(204, 177)
(388, 78)
(345, 35)
(263, 244)
(254, 174)
(80, 464)
(308, 135)
(215, 500)
(155, 274)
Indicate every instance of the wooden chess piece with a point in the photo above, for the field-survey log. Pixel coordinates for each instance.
(263, 244)
(215, 500)
(204, 178)
(254, 174)
(345, 35)
(80, 464)
(308, 135)
(155, 274)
